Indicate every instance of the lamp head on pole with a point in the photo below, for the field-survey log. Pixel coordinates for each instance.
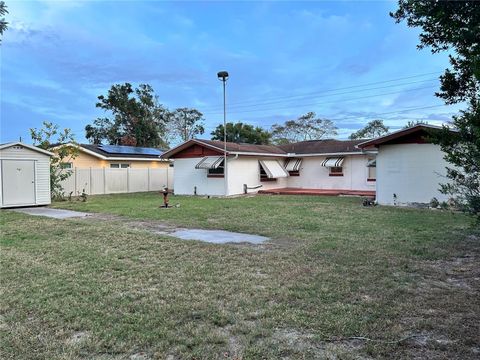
(222, 76)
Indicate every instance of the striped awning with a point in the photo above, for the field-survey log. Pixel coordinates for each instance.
(209, 162)
(372, 163)
(293, 164)
(333, 162)
(273, 169)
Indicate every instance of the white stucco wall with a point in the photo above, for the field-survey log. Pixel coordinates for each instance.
(241, 170)
(411, 171)
(315, 176)
(187, 177)
(246, 170)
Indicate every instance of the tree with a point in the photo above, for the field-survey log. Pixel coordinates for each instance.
(138, 119)
(373, 129)
(3, 23)
(412, 123)
(242, 133)
(454, 26)
(51, 136)
(186, 124)
(306, 127)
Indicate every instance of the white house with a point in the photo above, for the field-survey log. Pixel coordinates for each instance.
(409, 167)
(24, 174)
(330, 165)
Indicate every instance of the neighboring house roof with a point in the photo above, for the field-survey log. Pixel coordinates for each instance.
(31, 147)
(244, 148)
(304, 148)
(415, 134)
(117, 152)
(126, 151)
(323, 146)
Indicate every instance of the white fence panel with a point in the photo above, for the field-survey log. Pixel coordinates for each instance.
(116, 181)
(83, 181)
(138, 180)
(170, 177)
(97, 181)
(69, 184)
(158, 179)
(111, 181)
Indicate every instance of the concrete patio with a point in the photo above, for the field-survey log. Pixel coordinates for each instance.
(327, 192)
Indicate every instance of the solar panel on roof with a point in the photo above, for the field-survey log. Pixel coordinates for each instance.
(129, 150)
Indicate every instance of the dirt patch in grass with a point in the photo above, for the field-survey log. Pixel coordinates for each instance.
(78, 337)
(445, 307)
(163, 228)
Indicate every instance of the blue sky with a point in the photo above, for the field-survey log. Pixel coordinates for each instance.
(347, 61)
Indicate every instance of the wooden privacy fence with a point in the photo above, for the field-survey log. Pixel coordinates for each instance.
(111, 181)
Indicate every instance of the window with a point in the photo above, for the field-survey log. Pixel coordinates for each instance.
(372, 169)
(119, 166)
(68, 165)
(271, 170)
(264, 176)
(336, 171)
(216, 171)
(293, 166)
(334, 165)
(372, 173)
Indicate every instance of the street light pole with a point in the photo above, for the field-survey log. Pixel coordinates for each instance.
(223, 76)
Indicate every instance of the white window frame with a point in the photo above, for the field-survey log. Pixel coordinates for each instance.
(119, 165)
(371, 169)
(335, 173)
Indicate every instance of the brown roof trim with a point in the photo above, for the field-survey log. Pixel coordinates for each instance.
(397, 135)
(322, 146)
(168, 154)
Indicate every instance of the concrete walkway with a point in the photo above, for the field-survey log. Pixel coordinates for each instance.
(217, 236)
(49, 212)
(210, 236)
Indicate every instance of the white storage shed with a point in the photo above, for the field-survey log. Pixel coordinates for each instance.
(24, 175)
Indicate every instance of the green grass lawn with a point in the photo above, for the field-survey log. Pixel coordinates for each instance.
(100, 289)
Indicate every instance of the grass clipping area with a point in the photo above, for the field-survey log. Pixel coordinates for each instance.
(337, 280)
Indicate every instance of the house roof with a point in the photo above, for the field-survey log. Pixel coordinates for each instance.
(417, 133)
(126, 152)
(323, 146)
(305, 148)
(245, 148)
(31, 147)
(120, 153)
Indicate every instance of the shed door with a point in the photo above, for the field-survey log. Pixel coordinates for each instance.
(18, 182)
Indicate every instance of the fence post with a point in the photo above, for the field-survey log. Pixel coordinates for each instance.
(148, 177)
(75, 192)
(91, 180)
(128, 179)
(104, 180)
